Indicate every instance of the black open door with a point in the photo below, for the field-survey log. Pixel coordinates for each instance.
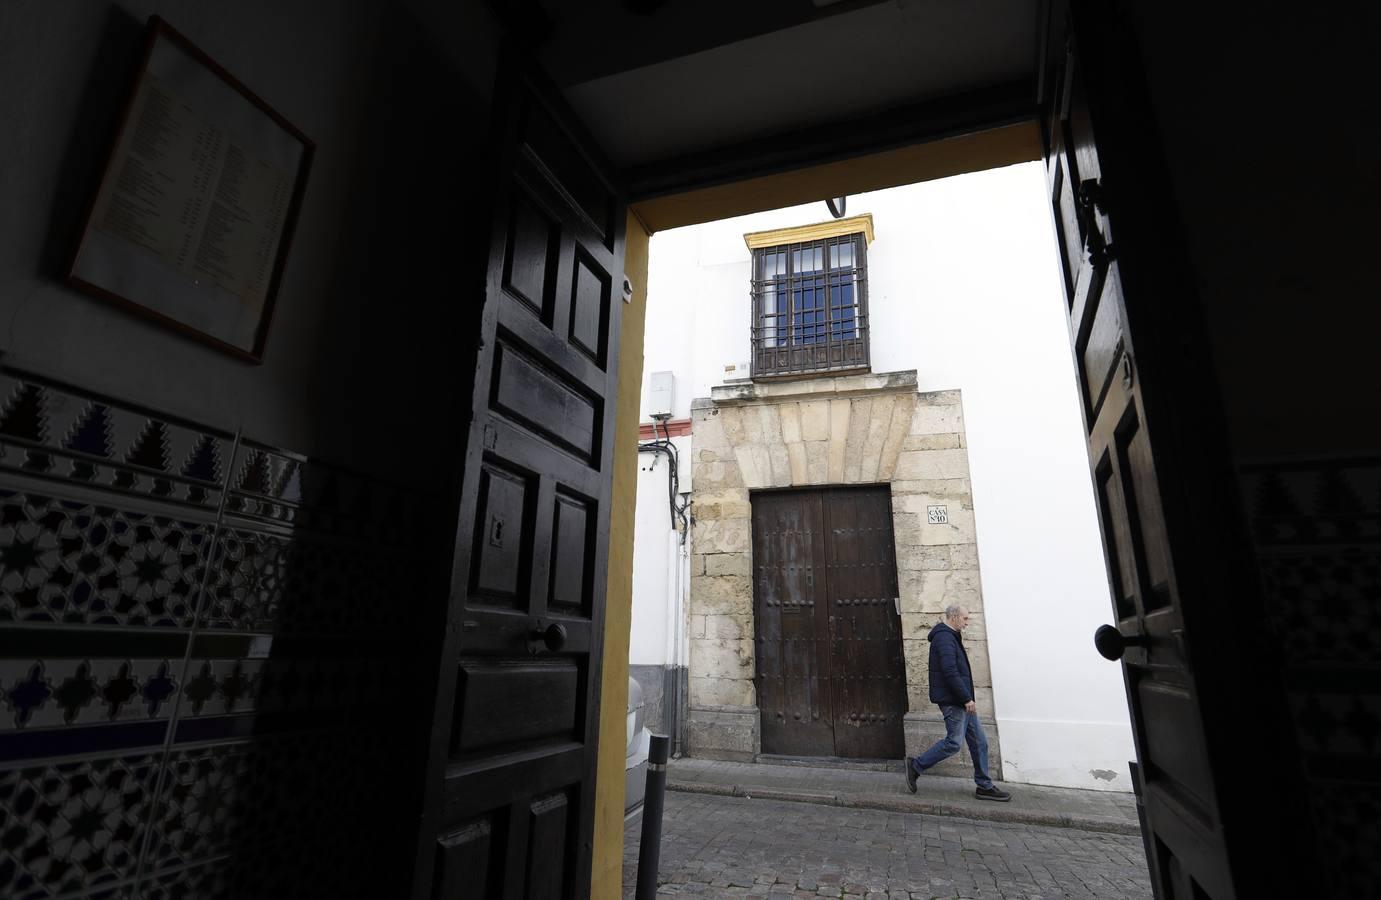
(509, 804)
(1201, 689)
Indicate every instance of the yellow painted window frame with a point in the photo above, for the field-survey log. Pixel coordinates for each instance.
(801, 234)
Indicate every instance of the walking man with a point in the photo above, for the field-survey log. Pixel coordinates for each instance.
(951, 687)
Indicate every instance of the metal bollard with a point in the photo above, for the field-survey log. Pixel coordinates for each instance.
(654, 798)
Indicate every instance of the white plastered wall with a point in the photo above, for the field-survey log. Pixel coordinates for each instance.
(651, 642)
(964, 288)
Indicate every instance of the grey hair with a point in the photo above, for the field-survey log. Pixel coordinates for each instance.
(954, 610)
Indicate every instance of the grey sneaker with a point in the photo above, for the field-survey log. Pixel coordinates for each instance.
(910, 776)
(992, 793)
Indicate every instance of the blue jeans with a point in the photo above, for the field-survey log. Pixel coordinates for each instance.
(959, 724)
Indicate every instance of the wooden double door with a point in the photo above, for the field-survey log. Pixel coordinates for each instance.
(830, 676)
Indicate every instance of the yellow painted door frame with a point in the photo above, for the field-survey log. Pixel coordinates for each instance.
(989, 149)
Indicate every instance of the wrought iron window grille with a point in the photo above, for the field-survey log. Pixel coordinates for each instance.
(810, 307)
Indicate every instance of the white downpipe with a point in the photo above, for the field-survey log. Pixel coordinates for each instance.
(683, 552)
(683, 624)
(673, 593)
(677, 649)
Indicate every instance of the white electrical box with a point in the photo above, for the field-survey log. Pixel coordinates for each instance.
(661, 394)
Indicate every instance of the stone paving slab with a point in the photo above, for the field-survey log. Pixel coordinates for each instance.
(715, 847)
(939, 795)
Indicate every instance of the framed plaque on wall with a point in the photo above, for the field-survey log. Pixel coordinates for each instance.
(195, 212)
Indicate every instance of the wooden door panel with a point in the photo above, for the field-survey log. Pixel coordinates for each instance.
(532, 253)
(514, 732)
(542, 399)
(1175, 745)
(589, 308)
(469, 862)
(1117, 552)
(1067, 236)
(1099, 351)
(550, 846)
(512, 704)
(792, 647)
(503, 536)
(573, 541)
(1144, 519)
(1081, 150)
(869, 693)
(1186, 858)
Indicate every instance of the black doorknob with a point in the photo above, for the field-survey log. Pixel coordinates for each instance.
(1090, 194)
(1112, 643)
(554, 636)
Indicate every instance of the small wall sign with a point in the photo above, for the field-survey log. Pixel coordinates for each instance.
(937, 515)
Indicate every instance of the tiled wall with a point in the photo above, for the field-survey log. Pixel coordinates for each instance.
(208, 658)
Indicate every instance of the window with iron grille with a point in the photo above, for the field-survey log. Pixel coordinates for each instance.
(810, 310)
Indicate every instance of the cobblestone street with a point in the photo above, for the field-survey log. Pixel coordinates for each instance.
(716, 846)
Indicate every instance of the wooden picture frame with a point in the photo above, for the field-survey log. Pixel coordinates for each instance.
(194, 216)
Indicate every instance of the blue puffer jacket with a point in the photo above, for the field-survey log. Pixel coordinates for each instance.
(951, 679)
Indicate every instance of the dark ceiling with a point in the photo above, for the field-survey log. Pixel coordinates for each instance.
(687, 76)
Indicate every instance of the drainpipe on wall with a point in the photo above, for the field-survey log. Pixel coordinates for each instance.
(674, 686)
(683, 666)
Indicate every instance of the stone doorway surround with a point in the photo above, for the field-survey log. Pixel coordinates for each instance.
(845, 430)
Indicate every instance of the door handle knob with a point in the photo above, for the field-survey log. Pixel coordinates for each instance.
(554, 636)
(1112, 643)
(1090, 194)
